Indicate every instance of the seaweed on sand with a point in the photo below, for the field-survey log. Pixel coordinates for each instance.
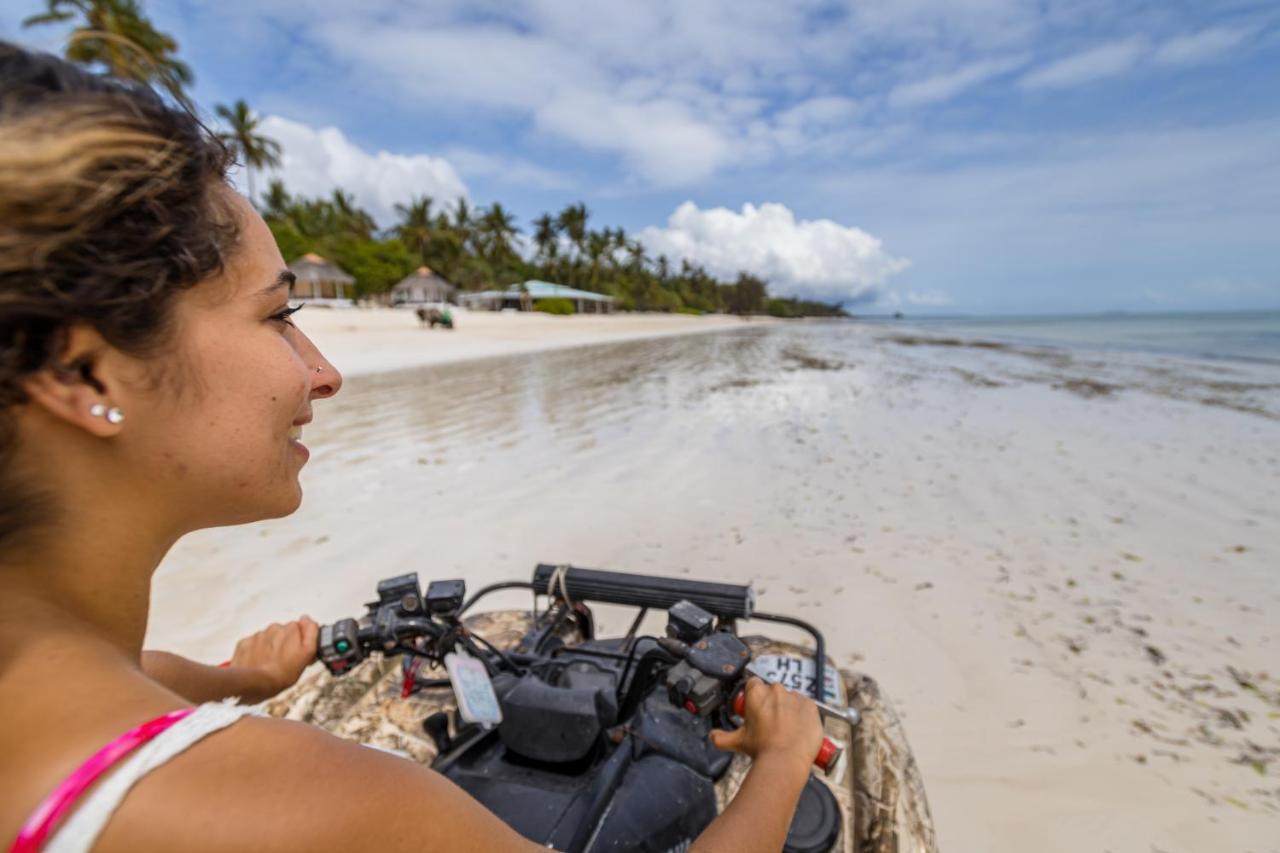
(926, 341)
(976, 378)
(1088, 387)
(801, 359)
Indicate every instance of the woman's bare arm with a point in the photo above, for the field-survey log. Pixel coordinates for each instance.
(262, 665)
(199, 682)
(781, 733)
(760, 814)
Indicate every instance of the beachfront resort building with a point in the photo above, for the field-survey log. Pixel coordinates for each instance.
(524, 297)
(322, 282)
(423, 286)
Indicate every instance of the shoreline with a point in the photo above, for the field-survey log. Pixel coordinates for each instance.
(366, 341)
(1060, 566)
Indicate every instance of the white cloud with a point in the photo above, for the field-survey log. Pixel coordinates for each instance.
(666, 92)
(1087, 66)
(816, 258)
(942, 87)
(316, 162)
(513, 171)
(661, 139)
(1199, 47)
(822, 111)
(933, 298)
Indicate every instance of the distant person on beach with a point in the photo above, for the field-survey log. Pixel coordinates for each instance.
(152, 383)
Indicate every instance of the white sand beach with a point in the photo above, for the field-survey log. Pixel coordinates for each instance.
(372, 340)
(1062, 568)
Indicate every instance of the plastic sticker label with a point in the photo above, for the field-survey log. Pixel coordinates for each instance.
(477, 703)
(797, 673)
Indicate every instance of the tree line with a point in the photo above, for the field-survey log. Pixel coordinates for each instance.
(475, 248)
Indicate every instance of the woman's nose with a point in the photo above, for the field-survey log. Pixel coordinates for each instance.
(326, 380)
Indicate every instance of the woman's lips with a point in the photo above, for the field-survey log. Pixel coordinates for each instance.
(295, 436)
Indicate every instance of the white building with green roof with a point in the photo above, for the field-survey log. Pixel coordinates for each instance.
(524, 297)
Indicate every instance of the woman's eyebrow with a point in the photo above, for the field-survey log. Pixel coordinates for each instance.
(284, 279)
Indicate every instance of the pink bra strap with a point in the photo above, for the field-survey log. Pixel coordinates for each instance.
(38, 827)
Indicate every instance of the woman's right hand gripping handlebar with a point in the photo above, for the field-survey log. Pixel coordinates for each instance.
(781, 733)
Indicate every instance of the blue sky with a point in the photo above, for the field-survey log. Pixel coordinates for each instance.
(980, 156)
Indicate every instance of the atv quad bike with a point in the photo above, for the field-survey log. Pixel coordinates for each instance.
(585, 743)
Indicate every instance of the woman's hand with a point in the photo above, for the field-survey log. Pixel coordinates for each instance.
(777, 724)
(263, 664)
(782, 733)
(276, 655)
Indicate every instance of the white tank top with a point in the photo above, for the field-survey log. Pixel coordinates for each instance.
(82, 828)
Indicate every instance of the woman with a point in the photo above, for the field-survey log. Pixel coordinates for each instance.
(152, 383)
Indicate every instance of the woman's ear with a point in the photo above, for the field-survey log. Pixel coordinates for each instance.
(74, 389)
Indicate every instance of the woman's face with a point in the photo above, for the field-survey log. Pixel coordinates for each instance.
(218, 432)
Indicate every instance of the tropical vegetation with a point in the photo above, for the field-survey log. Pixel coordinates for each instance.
(476, 248)
(116, 35)
(249, 147)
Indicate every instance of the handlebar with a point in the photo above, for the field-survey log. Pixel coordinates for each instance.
(710, 662)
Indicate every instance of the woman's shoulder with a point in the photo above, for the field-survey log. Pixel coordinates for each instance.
(266, 783)
(256, 783)
(59, 704)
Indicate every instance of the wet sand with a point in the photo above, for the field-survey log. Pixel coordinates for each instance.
(1062, 567)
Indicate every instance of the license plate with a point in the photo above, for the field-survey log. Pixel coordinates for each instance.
(798, 673)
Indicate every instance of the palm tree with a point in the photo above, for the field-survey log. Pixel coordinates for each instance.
(277, 202)
(350, 216)
(415, 228)
(116, 33)
(498, 228)
(573, 222)
(598, 244)
(636, 255)
(544, 235)
(244, 141)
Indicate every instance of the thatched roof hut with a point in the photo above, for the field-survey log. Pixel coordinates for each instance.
(422, 286)
(321, 280)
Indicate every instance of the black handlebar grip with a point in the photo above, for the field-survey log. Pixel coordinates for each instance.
(726, 600)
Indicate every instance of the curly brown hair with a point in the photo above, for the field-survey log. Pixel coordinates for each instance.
(109, 206)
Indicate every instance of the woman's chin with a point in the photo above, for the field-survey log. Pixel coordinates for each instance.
(285, 503)
(290, 503)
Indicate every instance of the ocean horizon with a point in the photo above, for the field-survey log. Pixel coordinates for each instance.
(1252, 336)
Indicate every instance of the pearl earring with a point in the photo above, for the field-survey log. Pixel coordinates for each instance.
(114, 415)
(97, 410)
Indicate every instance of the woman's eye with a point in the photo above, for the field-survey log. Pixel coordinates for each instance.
(283, 315)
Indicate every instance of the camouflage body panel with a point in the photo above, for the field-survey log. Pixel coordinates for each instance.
(877, 784)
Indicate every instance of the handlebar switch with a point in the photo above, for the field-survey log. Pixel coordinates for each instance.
(401, 594)
(338, 646)
(687, 622)
(444, 598)
(696, 692)
(710, 669)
